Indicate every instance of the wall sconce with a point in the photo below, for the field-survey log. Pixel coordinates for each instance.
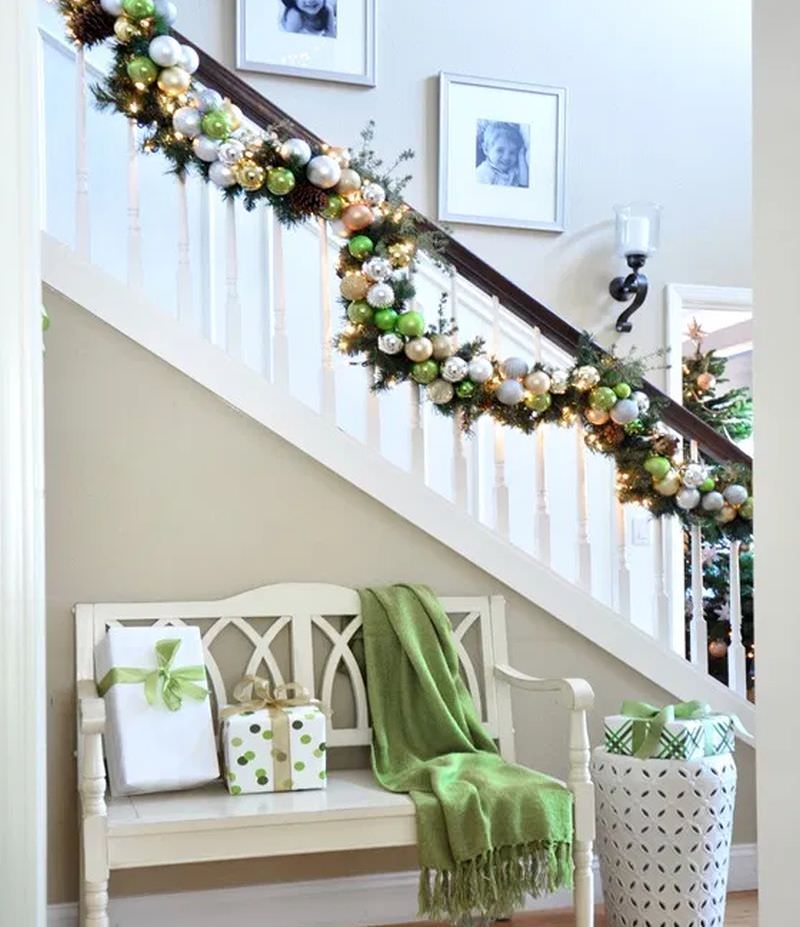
(637, 230)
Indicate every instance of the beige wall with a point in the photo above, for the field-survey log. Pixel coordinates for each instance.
(157, 490)
(659, 109)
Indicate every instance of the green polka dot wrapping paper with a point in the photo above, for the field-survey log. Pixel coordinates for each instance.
(275, 750)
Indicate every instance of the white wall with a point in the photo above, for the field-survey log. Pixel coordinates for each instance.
(777, 281)
(659, 109)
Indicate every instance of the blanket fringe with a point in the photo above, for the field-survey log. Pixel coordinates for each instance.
(494, 884)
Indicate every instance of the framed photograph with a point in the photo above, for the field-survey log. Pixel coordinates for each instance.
(322, 39)
(501, 153)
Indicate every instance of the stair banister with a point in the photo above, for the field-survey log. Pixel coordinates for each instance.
(470, 266)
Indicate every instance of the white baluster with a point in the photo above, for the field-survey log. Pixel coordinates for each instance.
(135, 274)
(280, 365)
(737, 663)
(184, 269)
(82, 233)
(373, 412)
(233, 305)
(460, 464)
(327, 379)
(623, 569)
(584, 540)
(542, 515)
(265, 270)
(417, 423)
(662, 603)
(501, 499)
(207, 272)
(698, 628)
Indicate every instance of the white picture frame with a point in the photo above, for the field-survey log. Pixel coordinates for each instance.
(337, 43)
(502, 153)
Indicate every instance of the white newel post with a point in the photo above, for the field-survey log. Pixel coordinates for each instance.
(22, 614)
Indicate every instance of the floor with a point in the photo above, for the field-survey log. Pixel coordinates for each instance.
(742, 912)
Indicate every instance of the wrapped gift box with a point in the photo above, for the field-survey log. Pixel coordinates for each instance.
(149, 747)
(275, 749)
(681, 739)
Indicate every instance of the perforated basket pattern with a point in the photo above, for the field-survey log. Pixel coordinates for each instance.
(664, 837)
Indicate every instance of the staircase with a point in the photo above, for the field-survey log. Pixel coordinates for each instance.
(246, 308)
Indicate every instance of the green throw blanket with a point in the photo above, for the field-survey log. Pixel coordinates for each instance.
(488, 831)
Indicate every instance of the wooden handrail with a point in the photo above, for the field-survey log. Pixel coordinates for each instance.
(263, 112)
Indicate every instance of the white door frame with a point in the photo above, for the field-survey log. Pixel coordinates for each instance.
(22, 600)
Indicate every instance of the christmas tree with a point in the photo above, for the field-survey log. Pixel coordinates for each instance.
(729, 412)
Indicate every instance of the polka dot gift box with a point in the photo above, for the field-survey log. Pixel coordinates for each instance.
(273, 741)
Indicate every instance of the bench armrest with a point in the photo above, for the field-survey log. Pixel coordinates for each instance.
(91, 708)
(574, 694)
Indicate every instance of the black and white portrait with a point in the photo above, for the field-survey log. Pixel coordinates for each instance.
(309, 17)
(502, 153)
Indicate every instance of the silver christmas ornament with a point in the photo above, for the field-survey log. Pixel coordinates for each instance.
(624, 412)
(380, 295)
(323, 172)
(513, 368)
(221, 174)
(232, 151)
(454, 369)
(735, 494)
(349, 181)
(373, 194)
(167, 10)
(642, 400)
(440, 392)
(584, 378)
(713, 501)
(419, 349)
(687, 498)
(670, 485)
(378, 268)
(443, 346)
(208, 100)
(190, 60)
(205, 148)
(510, 392)
(250, 138)
(112, 7)
(480, 369)
(390, 343)
(188, 121)
(296, 151)
(694, 474)
(165, 51)
(559, 382)
(537, 383)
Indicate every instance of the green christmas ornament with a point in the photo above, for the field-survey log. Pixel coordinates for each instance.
(634, 428)
(139, 9)
(707, 485)
(359, 312)
(425, 372)
(622, 390)
(657, 467)
(746, 508)
(360, 246)
(334, 208)
(602, 398)
(411, 324)
(465, 389)
(385, 319)
(538, 402)
(217, 124)
(280, 181)
(141, 70)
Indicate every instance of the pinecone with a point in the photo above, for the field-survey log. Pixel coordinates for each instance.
(666, 445)
(307, 200)
(613, 434)
(91, 24)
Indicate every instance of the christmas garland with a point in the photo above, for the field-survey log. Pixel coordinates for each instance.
(196, 129)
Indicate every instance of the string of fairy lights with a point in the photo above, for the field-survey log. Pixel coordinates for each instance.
(151, 81)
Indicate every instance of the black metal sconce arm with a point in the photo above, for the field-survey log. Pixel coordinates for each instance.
(633, 286)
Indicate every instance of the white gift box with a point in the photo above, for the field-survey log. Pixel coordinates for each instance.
(150, 748)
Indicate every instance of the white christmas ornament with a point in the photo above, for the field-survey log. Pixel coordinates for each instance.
(440, 392)
(373, 194)
(735, 494)
(642, 400)
(296, 151)
(190, 60)
(208, 100)
(713, 501)
(231, 151)
(687, 498)
(510, 392)
(480, 369)
(694, 475)
(390, 343)
(323, 172)
(559, 382)
(165, 51)
(378, 268)
(538, 383)
(443, 346)
(454, 369)
(205, 148)
(112, 7)
(624, 412)
(167, 10)
(188, 121)
(380, 295)
(221, 174)
(513, 368)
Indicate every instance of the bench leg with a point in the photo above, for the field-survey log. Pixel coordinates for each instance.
(580, 782)
(95, 904)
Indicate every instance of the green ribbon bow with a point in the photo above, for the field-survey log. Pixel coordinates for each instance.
(175, 684)
(658, 719)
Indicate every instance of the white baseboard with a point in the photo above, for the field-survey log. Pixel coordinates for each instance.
(358, 901)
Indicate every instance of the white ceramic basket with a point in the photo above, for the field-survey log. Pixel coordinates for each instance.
(664, 838)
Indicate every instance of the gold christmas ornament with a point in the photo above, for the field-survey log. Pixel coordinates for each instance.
(400, 253)
(718, 649)
(354, 286)
(357, 217)
(249, 175)
(174, 81)
(596, 416)
(125, 30)
(706, 381)
(234, 114)
(349, 182)
(443, 346)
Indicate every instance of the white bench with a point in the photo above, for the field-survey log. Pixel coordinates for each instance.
(309, 628)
